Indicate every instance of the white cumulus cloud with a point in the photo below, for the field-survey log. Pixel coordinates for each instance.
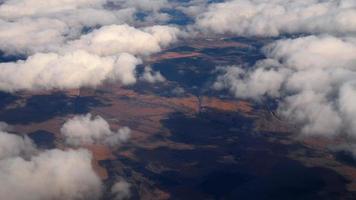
(121, 190)
(88, 129)
(70, 70)
(114, 39)
(27, 173)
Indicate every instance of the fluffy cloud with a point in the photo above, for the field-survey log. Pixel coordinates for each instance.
(121, 190)
(74, 44)
(314, 52)
(70, 70)
(151, 76)
(313, 112)
(31, 35)
(57, 174)
(99, 56)
(51, 174)
(313, 77)
(12, 145)
(30, 26)
(18, 8)
(274, 17)
(250, 84)
(114, 39)
(86, 129)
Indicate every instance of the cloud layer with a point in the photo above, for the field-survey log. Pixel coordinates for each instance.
(275, 17)
(30, 26)
(73, 44)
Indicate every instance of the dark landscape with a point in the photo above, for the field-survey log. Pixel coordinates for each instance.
(200, 144)
(177, 100)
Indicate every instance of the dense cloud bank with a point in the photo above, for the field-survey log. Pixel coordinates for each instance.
(73, 44)
(275, 17)
(30, 26)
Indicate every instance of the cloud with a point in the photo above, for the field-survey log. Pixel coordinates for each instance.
(313, 112)
(57, 174)
(313, 78)
(86, 129)
(349, 148)
(178, 91)
(15, 8)
(101, 55)
(250, 84)
(145, 5)
(314, 52)
(47, 26)
(193, 8)
(31, 26)
(275, 17)
(121, 190)
(53, 174)
(151, 76)
(12, 145)
(347, 106)
(31, 35)
(71, 70)
(148, 12)
(50, 174)
(73, 44)
(114, 39)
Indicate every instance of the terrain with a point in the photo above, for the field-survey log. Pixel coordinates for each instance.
(190, 143)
